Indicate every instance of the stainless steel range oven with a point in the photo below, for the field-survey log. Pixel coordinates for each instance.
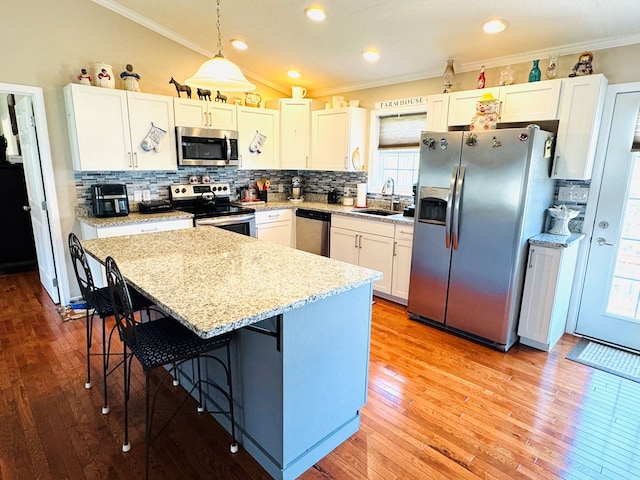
(210, 205)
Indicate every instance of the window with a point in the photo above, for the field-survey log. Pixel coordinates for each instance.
(396, 153)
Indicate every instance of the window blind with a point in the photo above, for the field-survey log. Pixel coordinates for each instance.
(401, 131)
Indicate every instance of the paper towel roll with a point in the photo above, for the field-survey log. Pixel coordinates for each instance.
(361, 197)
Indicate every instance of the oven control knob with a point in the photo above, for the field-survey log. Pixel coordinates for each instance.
(177, 190)
(184, 190)
(225, 188)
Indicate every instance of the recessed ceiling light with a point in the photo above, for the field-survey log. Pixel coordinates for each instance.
(293, 74)
(239, 44)
(371, 55)
(315, 13)
(495, 25)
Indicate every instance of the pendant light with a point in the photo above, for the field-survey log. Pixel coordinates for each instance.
(218, 73)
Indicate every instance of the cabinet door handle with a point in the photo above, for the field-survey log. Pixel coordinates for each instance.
(210, 119)
(359, 241)
(346, 163)
(555, 164)
(395, 244)
(130, 159)
(531, 257)
(204, 119)
(135, 159)
(355, 245)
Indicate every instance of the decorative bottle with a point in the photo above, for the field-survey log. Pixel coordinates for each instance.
(481, 78)
(448, 77)
(534, 74)
(552, 69)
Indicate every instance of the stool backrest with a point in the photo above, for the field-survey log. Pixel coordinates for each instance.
(121, 302)
(81, 269)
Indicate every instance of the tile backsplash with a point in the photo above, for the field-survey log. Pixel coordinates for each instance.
(315, 184)
(157, 182)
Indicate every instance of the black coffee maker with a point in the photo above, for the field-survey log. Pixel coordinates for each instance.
(410, 210)
(332, 196)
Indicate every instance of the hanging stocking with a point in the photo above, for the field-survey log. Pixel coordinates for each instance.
(256, 145)
(152, 140)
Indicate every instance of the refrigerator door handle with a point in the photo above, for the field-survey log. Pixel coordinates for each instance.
(447, 218)
(455, 228)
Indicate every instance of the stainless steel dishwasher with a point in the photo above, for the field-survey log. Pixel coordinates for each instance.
(312, 231)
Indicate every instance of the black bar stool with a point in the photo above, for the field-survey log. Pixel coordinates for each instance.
(163, 342)
(98, 303)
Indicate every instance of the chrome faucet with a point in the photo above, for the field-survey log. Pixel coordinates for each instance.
(389, 184)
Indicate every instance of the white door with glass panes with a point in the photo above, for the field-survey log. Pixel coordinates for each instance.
(610, 303)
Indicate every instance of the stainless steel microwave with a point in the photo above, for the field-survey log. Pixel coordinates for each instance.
(207, 146)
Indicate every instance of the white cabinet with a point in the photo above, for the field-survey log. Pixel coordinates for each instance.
(530, 102)
(402, 247)
(524, 102)
(258, 138)
(206, 114)
(545, 299)
(338, 139)
(438, 112)
(107, 128)
(275, 226)
(368, 243)
(462, 105)
(91, 232)
(580, 115)
(295, 132)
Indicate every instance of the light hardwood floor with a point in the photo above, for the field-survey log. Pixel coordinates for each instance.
(439, 407)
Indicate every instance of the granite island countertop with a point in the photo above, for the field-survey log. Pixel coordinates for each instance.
(215, 281)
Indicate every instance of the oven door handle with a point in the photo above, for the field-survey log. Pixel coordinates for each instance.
(228, 157)
(221, 221)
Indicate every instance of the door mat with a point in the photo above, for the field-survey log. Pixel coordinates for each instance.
(608, 359)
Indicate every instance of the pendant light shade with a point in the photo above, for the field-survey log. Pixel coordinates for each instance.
(218, 73)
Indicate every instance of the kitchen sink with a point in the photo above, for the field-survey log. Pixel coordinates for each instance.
(370, 211)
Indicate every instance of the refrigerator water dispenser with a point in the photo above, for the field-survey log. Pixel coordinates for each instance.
(433, 205)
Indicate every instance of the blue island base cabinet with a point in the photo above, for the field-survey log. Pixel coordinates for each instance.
(296, 405)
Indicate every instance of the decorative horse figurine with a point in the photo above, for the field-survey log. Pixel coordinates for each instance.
(181, 88)
(220, 97)
(204, 94)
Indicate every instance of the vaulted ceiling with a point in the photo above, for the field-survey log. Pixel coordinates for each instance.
(413, 37)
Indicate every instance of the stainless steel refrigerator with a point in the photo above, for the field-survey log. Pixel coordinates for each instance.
(481, 196)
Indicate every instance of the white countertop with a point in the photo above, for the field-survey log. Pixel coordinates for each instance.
(136, 217)
(216, 281)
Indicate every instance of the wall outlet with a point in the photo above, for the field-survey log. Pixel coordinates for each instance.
(137, 195)
(346, 191)
(280, 188)
(146, 195)
(573, 194)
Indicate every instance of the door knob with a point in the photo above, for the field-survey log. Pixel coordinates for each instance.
(26, 208)
(601, 241)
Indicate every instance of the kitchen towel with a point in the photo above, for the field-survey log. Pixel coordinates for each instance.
(361, 197)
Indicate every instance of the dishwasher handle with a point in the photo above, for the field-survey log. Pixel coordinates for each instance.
(313, 215)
